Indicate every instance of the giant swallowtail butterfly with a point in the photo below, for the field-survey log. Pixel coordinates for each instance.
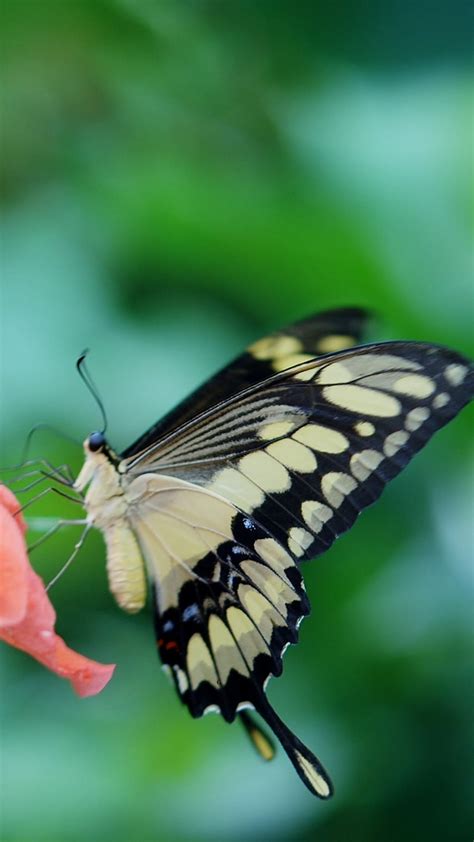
(220, 503)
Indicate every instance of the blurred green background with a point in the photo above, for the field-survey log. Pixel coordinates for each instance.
(177, 179)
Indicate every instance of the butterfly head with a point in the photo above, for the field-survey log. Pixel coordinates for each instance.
(96, 443)
(100, 461)
(97, 447)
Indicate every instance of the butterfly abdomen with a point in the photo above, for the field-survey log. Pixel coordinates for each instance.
(125, 567)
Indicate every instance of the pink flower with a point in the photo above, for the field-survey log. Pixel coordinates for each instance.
(27, 617)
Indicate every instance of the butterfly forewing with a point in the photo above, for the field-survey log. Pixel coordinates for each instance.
(304, 452)
(325, 332)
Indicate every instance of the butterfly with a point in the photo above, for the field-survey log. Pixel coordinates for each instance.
(218, 505)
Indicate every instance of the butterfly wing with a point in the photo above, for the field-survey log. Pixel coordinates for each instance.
(229, 600)
(306, 451)
(282, 469)
(326, 332)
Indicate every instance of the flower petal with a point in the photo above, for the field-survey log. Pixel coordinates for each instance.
(27, 615)
(13, 564)
(9, 502)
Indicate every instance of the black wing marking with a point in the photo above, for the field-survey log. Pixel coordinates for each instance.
(326, 332)
(225, 635)
(306, 451)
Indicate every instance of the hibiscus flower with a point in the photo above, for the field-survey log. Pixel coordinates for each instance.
(27, 617)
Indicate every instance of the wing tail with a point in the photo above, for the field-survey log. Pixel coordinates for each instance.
(307, 765)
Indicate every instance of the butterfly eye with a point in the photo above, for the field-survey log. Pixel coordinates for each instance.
(96, 442)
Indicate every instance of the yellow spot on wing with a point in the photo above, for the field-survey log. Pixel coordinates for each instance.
(276, 429)
(363, 400)
(314, 778)
(226, 653)
(261, 611)
(299, 540)
(295, 456)
(394, 442)
(416, 417)
(272, 347)
(274, 588)
(282, 363)
(315, 514)
(333, 343)
(238, 489)
(441, 400)
(274, 555)
(321, 438)
(365, 463)
(337, 485)
(265, 471)
(249, 639)
(334, 373)
(415, 385)
(364, 428)
(455, 374)
(199, 663)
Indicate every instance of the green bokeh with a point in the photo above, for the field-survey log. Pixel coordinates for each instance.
(177, 179)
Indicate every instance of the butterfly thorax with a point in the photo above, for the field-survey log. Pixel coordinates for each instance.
(107, 508)
(104, 501)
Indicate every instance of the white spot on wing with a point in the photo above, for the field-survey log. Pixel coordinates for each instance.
(211, 709)
(181, 678)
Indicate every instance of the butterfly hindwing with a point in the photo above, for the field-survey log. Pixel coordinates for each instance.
(225, 619)
(229, 598)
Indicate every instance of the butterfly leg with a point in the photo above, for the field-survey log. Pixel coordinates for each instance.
(40, 476)
(62, 472)
(57, 526)
(74, 553)
(46, 491)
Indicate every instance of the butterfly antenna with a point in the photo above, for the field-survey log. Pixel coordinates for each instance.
(54, 430)
(86, 377)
